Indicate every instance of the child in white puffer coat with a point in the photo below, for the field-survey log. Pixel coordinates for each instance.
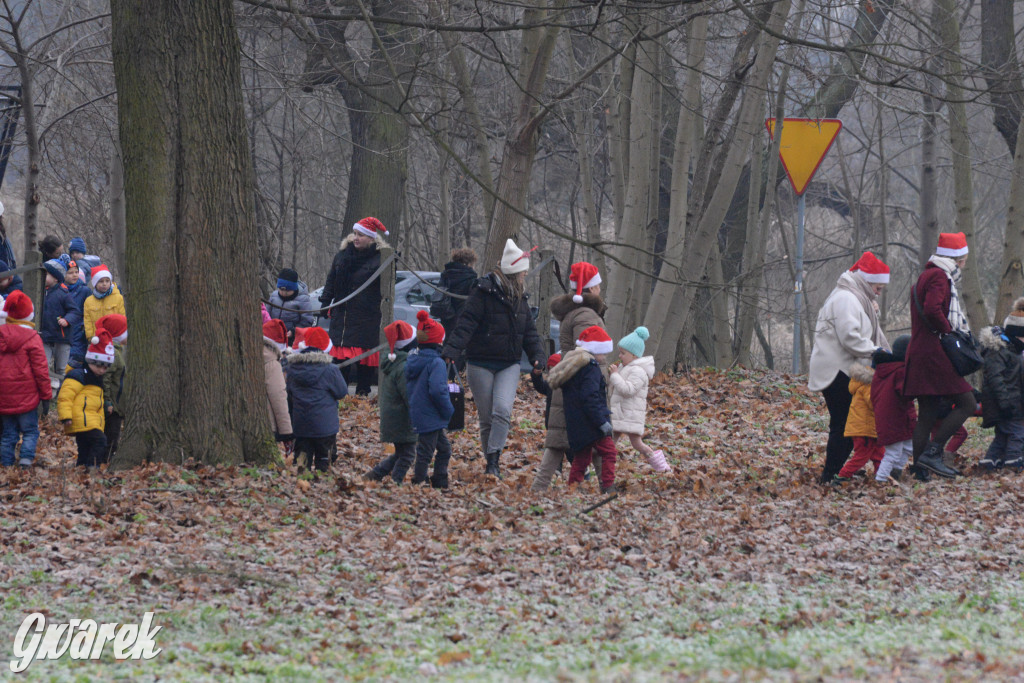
(628, 402)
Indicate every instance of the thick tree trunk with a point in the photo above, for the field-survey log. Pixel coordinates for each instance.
(1011, 282)
(196, 388)
(929, 192)
(118, 227)
(1001, 68)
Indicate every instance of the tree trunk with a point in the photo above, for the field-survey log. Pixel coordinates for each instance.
(196, 387)
(1001, 68)
(929, 192)
(1011, 282)
(118, 227)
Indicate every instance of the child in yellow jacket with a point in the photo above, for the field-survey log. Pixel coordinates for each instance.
(860, 425)
(106, 298)
(80, 402)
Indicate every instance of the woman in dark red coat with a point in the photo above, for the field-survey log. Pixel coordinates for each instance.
(930, 375)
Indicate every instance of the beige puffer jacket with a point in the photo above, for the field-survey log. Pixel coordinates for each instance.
(277, 392)
(629, 395)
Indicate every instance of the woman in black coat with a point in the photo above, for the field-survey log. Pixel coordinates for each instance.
(355, 325)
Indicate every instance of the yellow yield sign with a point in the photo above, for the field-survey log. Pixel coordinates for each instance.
(804, 144)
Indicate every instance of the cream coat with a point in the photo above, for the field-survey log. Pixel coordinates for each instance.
(277, 393)
(629, 395)
(843, 336)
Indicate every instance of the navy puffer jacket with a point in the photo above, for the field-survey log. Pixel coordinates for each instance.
(315, 386)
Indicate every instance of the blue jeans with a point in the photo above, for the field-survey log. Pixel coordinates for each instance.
(27, 426)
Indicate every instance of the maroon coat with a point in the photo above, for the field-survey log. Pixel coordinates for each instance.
(895, 416)
(24, 375)
(929, 372)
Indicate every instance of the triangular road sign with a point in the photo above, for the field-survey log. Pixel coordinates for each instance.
(805, 142)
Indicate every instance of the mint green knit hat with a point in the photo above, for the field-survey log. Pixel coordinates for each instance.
(634, 341)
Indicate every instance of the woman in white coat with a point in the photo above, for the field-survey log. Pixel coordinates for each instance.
(847, 332)
(628, 402)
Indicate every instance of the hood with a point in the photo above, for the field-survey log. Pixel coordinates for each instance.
(310, 358)
(392, 367)
(571, 363)
(991, 338)
(13, 337)
(645, 363)
(562, 305)
(861, 373)
(458, 273)
(272, 347)
(418, 360)
(350, 237)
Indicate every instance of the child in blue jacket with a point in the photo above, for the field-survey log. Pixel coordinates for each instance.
(430, 407)
(58, 321)
(79, 292)
(315, 386)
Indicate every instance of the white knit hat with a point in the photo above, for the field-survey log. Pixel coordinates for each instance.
(515, 260)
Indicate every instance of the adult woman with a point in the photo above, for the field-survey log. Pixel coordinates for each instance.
(494, 329)
(847, 332)
(935, 310)
(355, 324)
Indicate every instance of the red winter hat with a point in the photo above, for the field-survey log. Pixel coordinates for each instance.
(399, 335)
(370, 227)
(583, 275)
(428, 331)
(554, 359)
(101, 348)
(116, 325)
(300, 336)
(951, 244)
(275, 332)
(871, 269)
(595, 340)
(316, 338)
(18, 307)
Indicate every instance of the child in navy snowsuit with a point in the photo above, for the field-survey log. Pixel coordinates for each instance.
(430, 407)
(315, 386)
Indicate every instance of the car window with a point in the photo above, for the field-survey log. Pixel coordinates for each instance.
(419, 295)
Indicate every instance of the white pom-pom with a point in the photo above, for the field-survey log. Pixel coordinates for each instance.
(302, 344)
(577, 299)
(94, 340)
(392, 356)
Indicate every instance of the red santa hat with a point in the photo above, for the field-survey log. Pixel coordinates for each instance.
(428, 331)
(583, 275)
(298, 338)
(275, 332)
(399, 335)
(595, 340)
(101, 349)
(952, 245)
(98, 273)
(554, 359)
(371, 227)
(17, 307)
(116, 325)
(871, 269)
(316, 338)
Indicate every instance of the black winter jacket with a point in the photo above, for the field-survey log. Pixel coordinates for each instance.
(490, 329)
(584, 397)
(1002, 389)
(456, 278)
(315, 385)
(356, 323)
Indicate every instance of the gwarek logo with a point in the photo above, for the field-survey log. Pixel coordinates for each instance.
(82, 639)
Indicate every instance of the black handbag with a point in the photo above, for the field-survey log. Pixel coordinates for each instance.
(959, 347)
(458, 398)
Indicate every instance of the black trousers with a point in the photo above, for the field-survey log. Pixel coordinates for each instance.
(92, 448)
(113, 433)
(429, 443)
(930, 411)
(314, 452)
(837, 451)
(398, 463)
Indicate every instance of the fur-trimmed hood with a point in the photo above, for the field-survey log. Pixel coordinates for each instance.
(380, 242)
(862, 373)
(992, 338)
(310, 357)
(571, 363)
(270, 344)
(562, 305)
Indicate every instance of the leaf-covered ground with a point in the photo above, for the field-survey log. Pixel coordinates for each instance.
(735, 567)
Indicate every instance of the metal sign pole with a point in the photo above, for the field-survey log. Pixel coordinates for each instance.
(798, 289)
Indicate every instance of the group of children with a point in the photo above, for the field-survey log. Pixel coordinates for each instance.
(78, 351)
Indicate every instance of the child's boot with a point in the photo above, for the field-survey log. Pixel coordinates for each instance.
(657, 461)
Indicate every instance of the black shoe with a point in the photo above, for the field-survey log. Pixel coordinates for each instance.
(610, 489)
(920, 473)
(896, 474)
(987, 464)
(839, 481)
(492, 464)
(373, 475)
(1016, 464)
(439, 482)
(931, 460)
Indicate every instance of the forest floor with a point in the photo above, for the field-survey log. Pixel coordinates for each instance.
(737, 566)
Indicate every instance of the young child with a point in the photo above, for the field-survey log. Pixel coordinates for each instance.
(551, 461)
(116, 327)
(80, 402)
(1002, 390)
(315, 386)
(79, 292)
(58, 321)
(587, 417)
(275, 341)
(430, 407)
(24, 379)
(86, 262)
(860, 425)
(290, 297)
(106, 298)
(393, 401)
(629, 383)
(895, 416)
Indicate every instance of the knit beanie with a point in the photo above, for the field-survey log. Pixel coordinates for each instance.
(1013, 326)
(595, 340)
(583, 275)
(98, 273)
(399, 335)
(554, 359)
(55, 268)
(101, 349)
(275, 332)
(899, 346)
(77, 244)
(428, 331)
(316, 338)
(515, 260)
(634, 341)
(116, 325)
(289, 279)
(17, 308)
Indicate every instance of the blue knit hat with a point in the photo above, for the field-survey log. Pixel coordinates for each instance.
(77, 244)
(55, 268)
(634, 341)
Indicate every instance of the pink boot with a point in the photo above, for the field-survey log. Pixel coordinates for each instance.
(658, 462)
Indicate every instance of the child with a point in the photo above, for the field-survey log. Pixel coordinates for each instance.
(860, 425)
(79, 292)
(106, 298)
(430, 407)
(315, 386)
(275, 341)
(587, 417)
(25, 381)
(895, 417)
(551, 461)
(629, 396)
(86, 262)
(393, 400)
(58, 320)
(80, 402)
(1002, 390)
(290, 297)
(116, 326)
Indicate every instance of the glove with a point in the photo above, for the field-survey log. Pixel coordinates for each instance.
(606, 429)
(45, 406)
(67, 427)
(283, 437)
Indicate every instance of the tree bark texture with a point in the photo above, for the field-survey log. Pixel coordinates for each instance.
(1011, 281)
(1001, 68)
(196, 389)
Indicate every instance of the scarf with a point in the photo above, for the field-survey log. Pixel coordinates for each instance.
(105, 294)
(866, 296)
(956, 317)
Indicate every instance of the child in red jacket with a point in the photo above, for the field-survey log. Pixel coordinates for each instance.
(895, 416)
(25, 379)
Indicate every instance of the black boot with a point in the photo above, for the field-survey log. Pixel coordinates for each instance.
(931, 460)
(896, 473)
(439, 481)
(492, 464)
